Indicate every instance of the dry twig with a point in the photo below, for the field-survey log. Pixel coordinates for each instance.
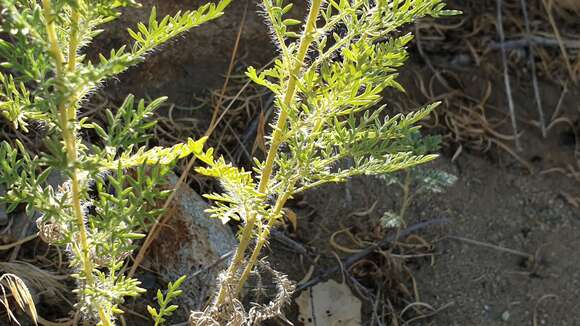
(350, 260)
(506, 76)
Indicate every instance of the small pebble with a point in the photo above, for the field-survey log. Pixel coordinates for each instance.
(505, 316)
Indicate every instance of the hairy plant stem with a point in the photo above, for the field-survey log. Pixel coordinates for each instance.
(237, 260)
(263, 237)
(67, 113)
(277, 139)
(276, 213)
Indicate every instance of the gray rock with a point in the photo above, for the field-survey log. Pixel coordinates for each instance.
(191, 244)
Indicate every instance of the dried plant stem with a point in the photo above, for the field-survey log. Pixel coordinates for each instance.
(508, 88)
(277, 139)
(492, 246)
(67, 112)
(548, 7)
(351, 260)
(532, 63)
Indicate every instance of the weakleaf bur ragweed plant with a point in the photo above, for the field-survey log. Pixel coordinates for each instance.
(327, 81)
(110, 188)
(331, 71)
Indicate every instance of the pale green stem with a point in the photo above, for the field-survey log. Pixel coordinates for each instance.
(66, 111)
(277, 137)
(237, 260)
(263, 238)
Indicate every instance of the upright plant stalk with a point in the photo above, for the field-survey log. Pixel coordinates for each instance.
(263, 238)
(339, 122)
(67, 112)
(277, 138)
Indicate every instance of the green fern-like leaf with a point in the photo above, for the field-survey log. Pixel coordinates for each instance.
(158, 155)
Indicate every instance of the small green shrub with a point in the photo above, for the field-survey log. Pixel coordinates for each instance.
(109, 196)
(327, 81)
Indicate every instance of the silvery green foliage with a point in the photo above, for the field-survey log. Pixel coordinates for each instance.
(119, 176)
(391, 219)
(416, 181)
(431, 180)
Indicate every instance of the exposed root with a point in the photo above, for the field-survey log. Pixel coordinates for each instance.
(232, 313)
